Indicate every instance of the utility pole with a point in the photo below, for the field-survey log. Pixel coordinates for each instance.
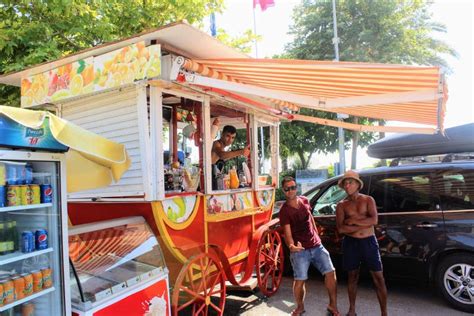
(340, 117)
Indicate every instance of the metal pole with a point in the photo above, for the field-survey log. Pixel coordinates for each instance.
(340, 130)
(256, 56)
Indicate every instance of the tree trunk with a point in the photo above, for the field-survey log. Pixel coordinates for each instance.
(355, 144)
(303, 161)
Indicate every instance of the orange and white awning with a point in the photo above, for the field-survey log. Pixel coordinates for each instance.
(401, 93)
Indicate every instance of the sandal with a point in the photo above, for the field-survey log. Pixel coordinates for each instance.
(330, 312)
(297, 312)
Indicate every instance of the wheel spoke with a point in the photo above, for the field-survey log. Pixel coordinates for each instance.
(196, 294)
(450, 275)
(466, 270)
(456, 292)
(215, 307)
(470, 293)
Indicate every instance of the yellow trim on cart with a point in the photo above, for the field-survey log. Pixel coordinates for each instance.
(159, 216)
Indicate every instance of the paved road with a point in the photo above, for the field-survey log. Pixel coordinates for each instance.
(404, 300)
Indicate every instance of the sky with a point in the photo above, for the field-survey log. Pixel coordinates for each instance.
(273, 25)
(457, 15)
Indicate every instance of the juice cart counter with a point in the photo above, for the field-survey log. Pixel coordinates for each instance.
(117, 268)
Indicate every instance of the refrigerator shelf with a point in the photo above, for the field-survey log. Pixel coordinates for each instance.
(17, 256)
(24, 207)
(26, 299)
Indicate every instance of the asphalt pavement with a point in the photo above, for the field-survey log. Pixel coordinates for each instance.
(403, 299)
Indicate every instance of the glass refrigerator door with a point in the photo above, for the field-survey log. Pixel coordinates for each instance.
(32, 265)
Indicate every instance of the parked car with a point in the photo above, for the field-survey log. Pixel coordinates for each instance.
(425, 226)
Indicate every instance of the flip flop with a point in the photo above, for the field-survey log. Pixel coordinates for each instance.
(297, 312)
(330, 312)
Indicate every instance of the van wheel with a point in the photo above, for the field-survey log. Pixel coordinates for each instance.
(455, 281)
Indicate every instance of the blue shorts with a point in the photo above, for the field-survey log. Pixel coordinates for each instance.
(357, 250)
(301, 260)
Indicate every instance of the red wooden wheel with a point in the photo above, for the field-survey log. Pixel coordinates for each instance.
(200, 279)
(269, 263)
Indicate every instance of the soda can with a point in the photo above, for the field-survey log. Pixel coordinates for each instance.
(8, 291)
(28, 277)
(27, 243)
(3, 174)
(19, 286)
(13, 195)
(11, 174)
(24, 193)
(28, 174)
(47, 277)
(28, 309)
(41, 239)
(35, 194)
(3, 196)
(46, 193)
(37, 280)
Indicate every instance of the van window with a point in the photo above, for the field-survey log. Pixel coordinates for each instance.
(402, 192)
(456, 190)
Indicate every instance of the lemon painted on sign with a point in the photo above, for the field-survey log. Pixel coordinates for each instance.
(110, 70)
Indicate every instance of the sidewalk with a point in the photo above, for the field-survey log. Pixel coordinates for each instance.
(403, 300)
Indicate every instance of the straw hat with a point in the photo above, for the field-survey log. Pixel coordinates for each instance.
(350, 174)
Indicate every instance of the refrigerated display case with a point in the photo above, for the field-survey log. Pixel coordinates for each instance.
(117, 268)
(34, 266)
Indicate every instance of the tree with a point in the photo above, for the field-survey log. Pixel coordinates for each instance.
(242, 42)
(33, 32)
(394, 31)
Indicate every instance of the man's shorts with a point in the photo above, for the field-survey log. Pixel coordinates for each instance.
(301, 260)
(357, 250)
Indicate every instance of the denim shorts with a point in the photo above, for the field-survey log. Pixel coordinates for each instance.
(301, 260)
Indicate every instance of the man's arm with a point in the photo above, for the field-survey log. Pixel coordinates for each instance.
(289, 239)
(370, 220)
(218, 149)
(343, 227)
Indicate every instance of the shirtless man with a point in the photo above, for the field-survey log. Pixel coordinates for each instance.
(227, 138)
(356, 216)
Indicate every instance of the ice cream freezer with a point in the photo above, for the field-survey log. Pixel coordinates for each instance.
(117, 268)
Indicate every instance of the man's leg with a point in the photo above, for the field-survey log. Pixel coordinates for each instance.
(352, 289)
(381, 290)
(299, 291)
(331, 286)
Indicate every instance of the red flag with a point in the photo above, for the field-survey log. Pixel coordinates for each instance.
(264, 4)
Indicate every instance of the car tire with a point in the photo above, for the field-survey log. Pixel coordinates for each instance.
(455, 276)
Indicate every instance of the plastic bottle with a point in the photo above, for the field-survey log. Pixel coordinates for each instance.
(234, 178)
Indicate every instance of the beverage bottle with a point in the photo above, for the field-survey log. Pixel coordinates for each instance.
(3, 244)
(16, 237)
(234, 179)
(9, 237)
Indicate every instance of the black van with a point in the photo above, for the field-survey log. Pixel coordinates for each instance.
(425, 227)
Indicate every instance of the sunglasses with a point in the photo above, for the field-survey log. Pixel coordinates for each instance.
(288, 189)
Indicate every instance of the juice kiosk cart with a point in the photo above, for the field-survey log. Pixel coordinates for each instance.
(165, 94)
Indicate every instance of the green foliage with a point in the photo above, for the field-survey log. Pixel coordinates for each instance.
(32, 32)
(394, 31)
(241, 42)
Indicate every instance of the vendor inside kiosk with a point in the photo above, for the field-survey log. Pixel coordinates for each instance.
(230, 143)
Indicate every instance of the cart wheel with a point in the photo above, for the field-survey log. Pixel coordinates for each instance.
(269, 262)
(200, 287)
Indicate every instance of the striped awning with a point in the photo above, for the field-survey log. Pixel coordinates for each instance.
(412, 94)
